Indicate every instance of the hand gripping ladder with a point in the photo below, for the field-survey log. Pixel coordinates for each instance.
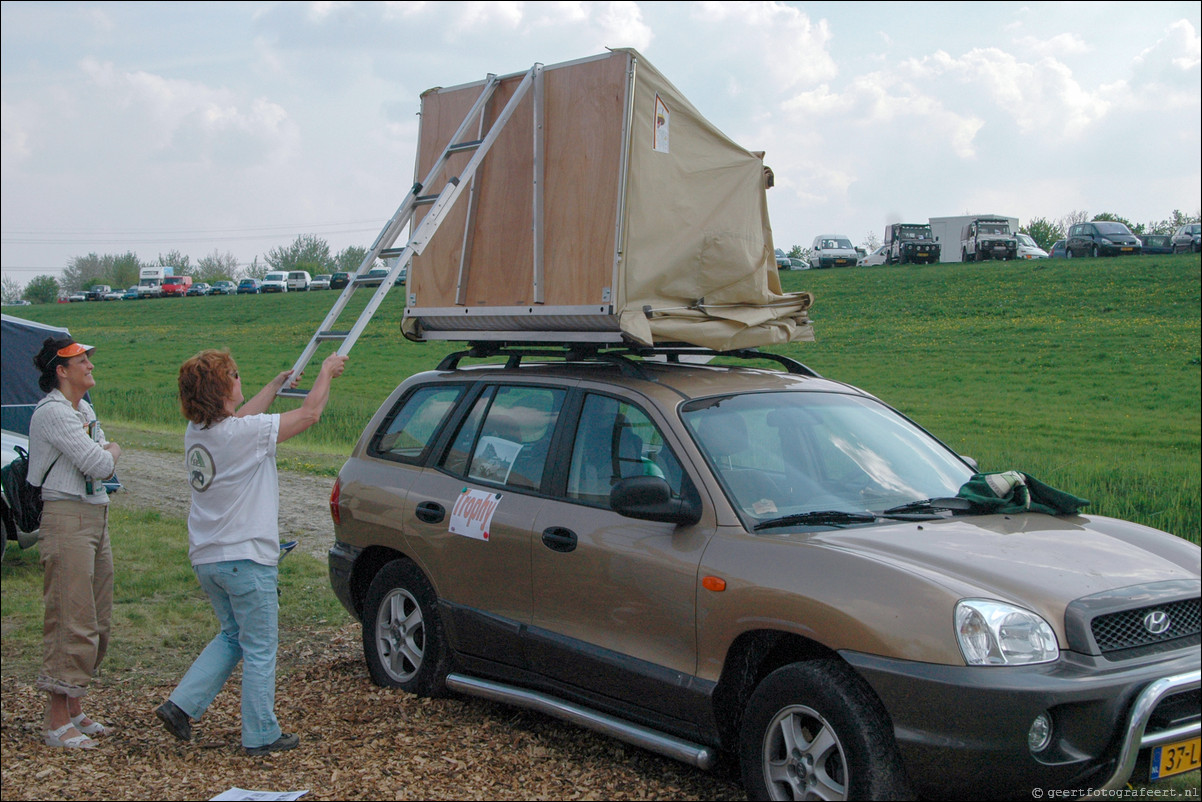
(440, 205)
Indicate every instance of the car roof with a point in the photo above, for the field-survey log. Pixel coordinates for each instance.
(670, 382)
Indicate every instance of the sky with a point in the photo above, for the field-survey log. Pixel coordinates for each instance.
(233, 128)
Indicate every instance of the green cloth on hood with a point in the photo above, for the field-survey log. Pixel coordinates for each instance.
(1013, 491)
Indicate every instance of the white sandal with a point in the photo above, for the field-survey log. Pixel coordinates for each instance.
(95, 728)
(55, 738)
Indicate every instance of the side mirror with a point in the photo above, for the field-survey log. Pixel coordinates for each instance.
(972, 463)
(649, 498)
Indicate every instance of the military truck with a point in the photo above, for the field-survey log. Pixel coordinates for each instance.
(910, 243)
(987, 238)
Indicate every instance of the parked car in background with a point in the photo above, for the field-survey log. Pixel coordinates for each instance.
(878, 257)
(199, 289)
(708, 560)
(911, 243)
(374, 278)
(833, 250)
(114, 295)
(223, 288)
(1058, 251)
(77, 296)
(320, 282)
(1156, 243)
(132, 294)
(1028, 249)
(249, 286)
(798, 264)
(176, 286)
(97, 292)
(987, 238)
(1186, 239)
(782, 260)
(275, 282)
(299, 280)
(339, 280)
(1101, 238)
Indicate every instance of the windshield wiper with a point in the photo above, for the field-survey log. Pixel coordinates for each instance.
(818, 518)
(928, 505)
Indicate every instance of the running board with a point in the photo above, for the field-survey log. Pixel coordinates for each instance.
(703, 757)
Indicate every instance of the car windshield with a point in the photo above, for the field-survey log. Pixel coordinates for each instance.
(1112, 228)
(791, 453)
(275, 277)
(1023, 239)
(995, 228)
(915, 233)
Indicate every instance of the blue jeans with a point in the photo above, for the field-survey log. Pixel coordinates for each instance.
(244, 596)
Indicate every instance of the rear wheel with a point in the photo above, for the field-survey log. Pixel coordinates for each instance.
(814, 730)
(403, 639)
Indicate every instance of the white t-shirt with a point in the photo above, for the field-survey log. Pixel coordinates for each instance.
(235, 490)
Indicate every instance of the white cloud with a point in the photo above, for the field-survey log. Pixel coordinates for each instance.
(1059, 46)
(788, 47)
(1173, 61)
(187, 121)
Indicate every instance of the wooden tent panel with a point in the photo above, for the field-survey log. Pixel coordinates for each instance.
(583, 108)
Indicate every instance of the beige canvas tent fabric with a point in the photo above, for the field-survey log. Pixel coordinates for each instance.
(691, 259)
(698, 248)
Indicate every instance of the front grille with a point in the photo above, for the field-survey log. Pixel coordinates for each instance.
(1126, 629)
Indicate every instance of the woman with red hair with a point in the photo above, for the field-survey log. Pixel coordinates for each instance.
(233, 537)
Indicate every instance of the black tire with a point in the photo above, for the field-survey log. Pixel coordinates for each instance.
(403, 639)
(1068, 252)
(1094, 252)
(814, 730)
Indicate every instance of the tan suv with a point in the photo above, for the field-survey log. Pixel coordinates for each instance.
(757, 561)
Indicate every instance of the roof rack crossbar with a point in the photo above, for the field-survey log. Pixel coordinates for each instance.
(620, 357)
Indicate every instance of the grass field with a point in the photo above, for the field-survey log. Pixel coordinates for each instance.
(1084, 374)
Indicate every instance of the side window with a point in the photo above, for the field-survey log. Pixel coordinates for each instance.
(616, 440)
(405, 434)
(506, 437)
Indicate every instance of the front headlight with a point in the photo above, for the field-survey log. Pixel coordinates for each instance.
(1104, 241)
(997, 634)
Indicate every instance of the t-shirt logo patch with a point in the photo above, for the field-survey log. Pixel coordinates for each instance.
(200, 468)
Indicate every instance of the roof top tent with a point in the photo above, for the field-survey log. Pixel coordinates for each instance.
(20, 341)
(607, 210)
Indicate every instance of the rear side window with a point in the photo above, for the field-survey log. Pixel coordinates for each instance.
(412, 426)
(506, 438)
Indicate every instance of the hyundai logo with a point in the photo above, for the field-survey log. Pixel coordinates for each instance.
(1157, 622)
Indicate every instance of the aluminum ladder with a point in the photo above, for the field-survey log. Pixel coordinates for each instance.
(439, 204)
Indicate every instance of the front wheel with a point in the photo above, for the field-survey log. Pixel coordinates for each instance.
(403, 639)
(1094, 252)
(814, 730)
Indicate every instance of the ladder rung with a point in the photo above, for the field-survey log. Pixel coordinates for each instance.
(471, 145)
(425, 200)
(293, 392)
(388, 253)
(332, 335)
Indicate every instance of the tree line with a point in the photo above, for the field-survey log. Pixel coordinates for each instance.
(312, 254)
(307, 252)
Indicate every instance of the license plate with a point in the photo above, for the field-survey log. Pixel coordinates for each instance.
(840, 261)
(1126, 249)
(1176, 758)
(923, 254)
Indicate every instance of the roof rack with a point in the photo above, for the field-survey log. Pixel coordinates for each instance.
(621, 356)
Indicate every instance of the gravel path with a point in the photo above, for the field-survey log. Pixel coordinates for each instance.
(155, 479)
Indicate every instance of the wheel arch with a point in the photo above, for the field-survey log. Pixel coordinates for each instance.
(752, 656)
(367, 565)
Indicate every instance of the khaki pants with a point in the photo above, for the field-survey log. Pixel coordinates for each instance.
(78, 594)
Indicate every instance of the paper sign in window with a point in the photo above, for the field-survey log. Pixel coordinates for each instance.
(472, 514)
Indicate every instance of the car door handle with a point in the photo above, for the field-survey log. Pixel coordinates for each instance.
(430, 512)
(559, 539)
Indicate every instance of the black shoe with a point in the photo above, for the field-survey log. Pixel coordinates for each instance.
(175, 720)
(282, 744)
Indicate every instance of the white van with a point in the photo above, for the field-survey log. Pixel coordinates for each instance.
(275, 282)
(299, 280)
(833, 250)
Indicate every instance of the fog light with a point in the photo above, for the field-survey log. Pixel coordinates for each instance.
(1040, 734)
